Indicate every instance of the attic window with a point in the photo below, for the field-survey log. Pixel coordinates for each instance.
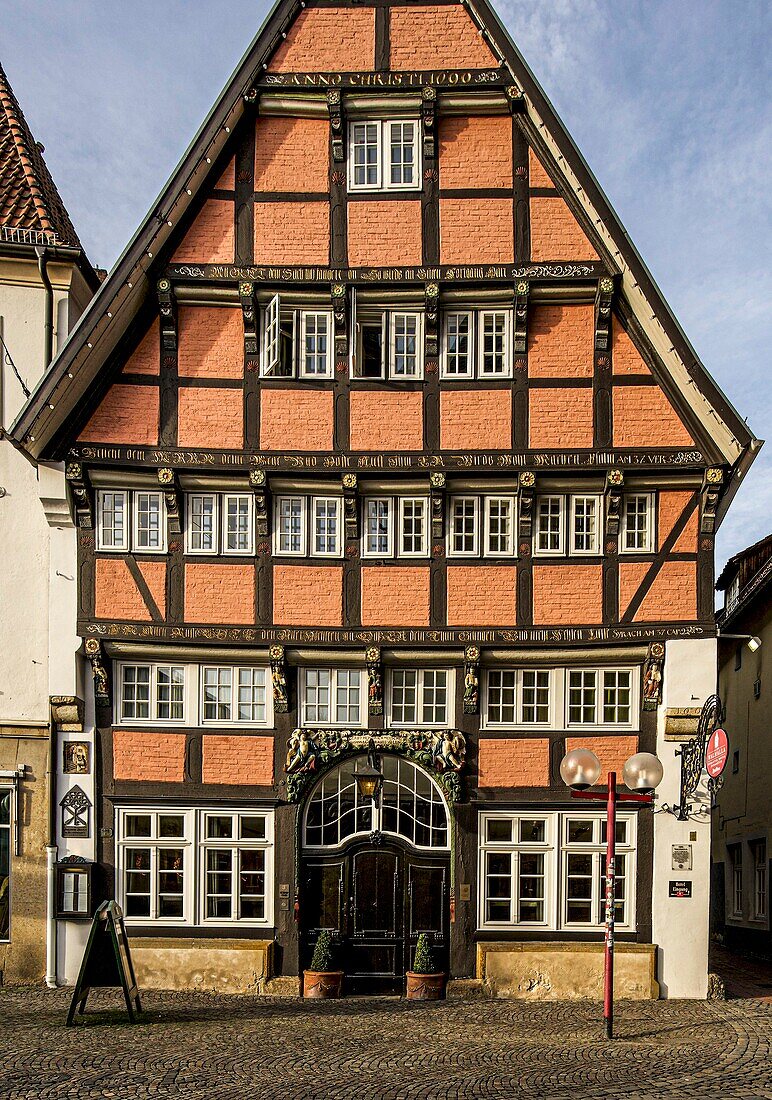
(384, 155)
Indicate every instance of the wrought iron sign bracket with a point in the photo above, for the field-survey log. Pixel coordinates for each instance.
(693, 758)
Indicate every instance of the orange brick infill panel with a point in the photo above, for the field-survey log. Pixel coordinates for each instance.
(436, 37)
(644, 417)
(560, 417)
(611, 751)
(625, 357)
(481, 595)
(384, 233)
(672, 596)
(555, 232)
(476, 420)
(154, 576)
(327, 40)
(292, 232)
(210, 239)
(292, 154)
(561, 341)
(117, 595)
(211, 342)
(476, 231)
(127, 414)
(227, 181)
(567, 595)
(210, 417)
(219, 593)
(146, 357)
(148, 757)
(243, 761)
(476, 151)
(537, 173)
(386, 421)
(513, 762)
(296, 420)
(308, 595)
(671, 506)
(395, 596)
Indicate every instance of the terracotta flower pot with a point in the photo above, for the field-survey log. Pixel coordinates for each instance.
(425, 987)
(322, 983)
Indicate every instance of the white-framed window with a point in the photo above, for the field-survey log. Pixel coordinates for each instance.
(547, 870)
(499, 526)
(421, 696)
(234, 695)
(333, 697)
(760, 869)
(6, 797)
(378, 527)
(637, 524)
(384, 155)
(735, 852)
(219, 523)
(308, 526)
(561, 698)
(568, 525)
(181, 866)
(476, 343)
(131, 519)
(585, 525)
(464, 527)
(413, 527)
(180, 694)
(235, 867)
(296, 342)
(518, 697)
(388, 344)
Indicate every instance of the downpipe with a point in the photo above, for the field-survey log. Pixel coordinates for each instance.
(48, 327)
(51, 856)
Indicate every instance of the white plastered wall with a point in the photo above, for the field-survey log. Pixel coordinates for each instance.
(680, 925)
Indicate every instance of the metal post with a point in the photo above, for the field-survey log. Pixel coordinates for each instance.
(608, 973)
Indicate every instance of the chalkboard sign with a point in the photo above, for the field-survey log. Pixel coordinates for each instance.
(106, 962)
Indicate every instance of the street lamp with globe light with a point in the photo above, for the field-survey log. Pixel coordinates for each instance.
(580, 769)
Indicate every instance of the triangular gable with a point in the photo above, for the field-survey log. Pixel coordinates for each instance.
(420, 37)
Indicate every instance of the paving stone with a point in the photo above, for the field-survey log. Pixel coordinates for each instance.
(233, 1048)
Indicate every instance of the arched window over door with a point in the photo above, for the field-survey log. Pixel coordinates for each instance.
(410, 806)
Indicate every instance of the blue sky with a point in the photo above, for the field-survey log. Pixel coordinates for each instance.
(667, 99)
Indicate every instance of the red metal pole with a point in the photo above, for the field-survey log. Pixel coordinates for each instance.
(608, 974)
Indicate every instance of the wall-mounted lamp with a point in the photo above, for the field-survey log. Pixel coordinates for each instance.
(368, 776)
(752, 640)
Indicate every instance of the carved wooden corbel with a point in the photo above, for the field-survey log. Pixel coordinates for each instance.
(615, 479)
(339, 295)
(438, 485)
(82, 495)
(167, 306)
(527, 494)
(258, 482)
(521, 317)
(429, 117)
(710, 495)
(471, 679)
(170, 485)
(278, 679)
(652, 676)
(515, 98)
(101, 686)
(249, 312)
(374, 680)
(350, 510)
(603, 298)
(335, 109)
(431, 315)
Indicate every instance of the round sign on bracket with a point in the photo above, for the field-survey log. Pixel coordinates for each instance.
(716, 753)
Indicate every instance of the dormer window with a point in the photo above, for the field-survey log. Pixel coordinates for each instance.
(384, 155)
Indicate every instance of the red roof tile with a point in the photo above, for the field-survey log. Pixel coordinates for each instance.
(31, 209)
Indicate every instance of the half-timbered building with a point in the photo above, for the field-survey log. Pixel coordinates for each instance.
(384, 444)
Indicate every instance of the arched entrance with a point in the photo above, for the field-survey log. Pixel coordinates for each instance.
(378, 874)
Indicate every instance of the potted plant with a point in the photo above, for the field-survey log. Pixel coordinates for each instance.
(424, 982)
(321, 980)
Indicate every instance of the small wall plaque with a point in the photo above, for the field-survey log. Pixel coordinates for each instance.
(682, 857)
(464, 892)
(680, 888)
(76, 757)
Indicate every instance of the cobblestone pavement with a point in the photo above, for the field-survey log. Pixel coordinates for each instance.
(743, 975)
(236, 1048)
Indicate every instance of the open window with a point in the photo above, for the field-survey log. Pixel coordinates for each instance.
(387, 344)
(296, 342)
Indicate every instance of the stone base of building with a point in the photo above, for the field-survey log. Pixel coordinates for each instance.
(203, 965)
(546, 971)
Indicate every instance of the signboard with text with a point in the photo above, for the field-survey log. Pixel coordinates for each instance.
(716, 753)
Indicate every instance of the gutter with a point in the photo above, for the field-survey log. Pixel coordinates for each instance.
(51, 856)
(48, 354)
